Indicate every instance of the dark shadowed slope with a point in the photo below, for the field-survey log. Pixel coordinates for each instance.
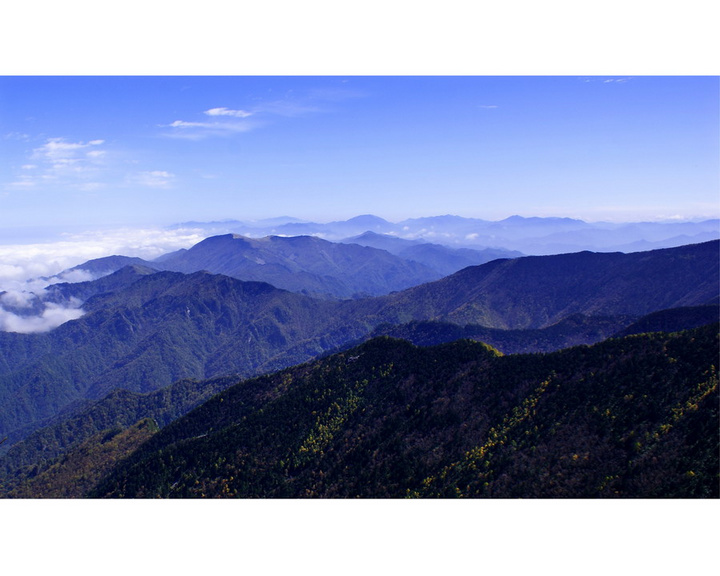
(632, 417)
(538, 291)
(674, 320)
(571, 331)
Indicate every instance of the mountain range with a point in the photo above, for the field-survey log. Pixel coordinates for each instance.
(156, 343)
(532, 236)
(310, 265)
(303, 264)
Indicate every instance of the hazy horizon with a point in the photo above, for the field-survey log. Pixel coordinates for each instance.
(116, 151)
(34, 252)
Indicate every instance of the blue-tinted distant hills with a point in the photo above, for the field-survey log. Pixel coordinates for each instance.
(538, 291)
(109, 264)
(444, 259)
(371, 264)
(528, 235)
(303, 264)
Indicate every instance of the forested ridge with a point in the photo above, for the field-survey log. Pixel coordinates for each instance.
(630, 417)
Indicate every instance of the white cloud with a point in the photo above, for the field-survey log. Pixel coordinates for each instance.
(27, 269)
(145, 243)
(16, 136)
(73, 276)
(182, 124)
(199, 130)
(51, 317)
(61, 162)
(92, 186)
(23, 182)
(230, 121)
(20, 262)
(153, 179)
(58, 150)
(16, 299)
(228, 112)
(287, 108)
(606, 80)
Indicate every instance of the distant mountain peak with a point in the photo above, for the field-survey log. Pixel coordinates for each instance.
(515, 218)
(368, 221)
(370, 235)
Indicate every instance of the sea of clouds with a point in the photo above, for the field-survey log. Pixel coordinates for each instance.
(26, 270)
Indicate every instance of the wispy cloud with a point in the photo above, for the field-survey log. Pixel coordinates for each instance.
(230, 121)
(24, 181)
(59, 153)
(61, 162)
(51, 316)
(228, 112)
(488, 106)
(16, 136)
(606, 80)
(92, 186)
(153, 179)
(198, 130)
(288, 108)
(19, 262)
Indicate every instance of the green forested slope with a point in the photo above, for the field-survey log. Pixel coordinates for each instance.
(118, 410)
(83, 467)
(631, 417)
(160, 329)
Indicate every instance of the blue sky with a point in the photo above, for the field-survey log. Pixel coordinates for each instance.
(153, 150)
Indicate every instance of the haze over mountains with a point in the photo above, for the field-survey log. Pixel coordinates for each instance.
(153, 339)
(536, 236)
(303, 264)
(428, 248)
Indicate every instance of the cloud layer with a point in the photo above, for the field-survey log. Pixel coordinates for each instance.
(27, 269)
(52, 316)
